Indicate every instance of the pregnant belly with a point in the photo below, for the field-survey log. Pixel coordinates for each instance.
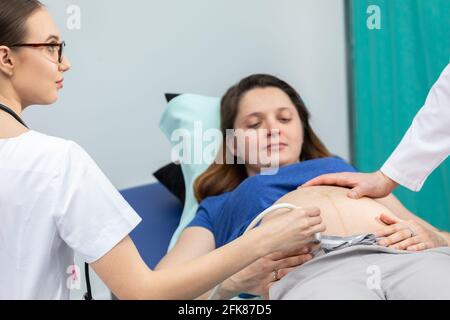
(342, 216)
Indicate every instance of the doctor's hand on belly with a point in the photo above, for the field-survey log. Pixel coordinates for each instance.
(408, 235)
(374, 185)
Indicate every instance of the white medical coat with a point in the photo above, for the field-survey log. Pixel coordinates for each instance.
(426, 144)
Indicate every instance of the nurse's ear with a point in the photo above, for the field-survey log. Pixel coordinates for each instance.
(6, 61)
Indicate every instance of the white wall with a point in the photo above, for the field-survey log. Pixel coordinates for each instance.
(127, 54)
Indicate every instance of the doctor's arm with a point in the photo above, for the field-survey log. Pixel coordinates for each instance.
(255, 279)
(426, 144)
(424, 147)
(125, 273)
(194, 242)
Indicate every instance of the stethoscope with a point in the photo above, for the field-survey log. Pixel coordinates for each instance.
(88, 294)
(13, 114)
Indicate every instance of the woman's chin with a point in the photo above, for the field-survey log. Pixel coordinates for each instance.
(277, 163)
(283, 159)
(51, 99)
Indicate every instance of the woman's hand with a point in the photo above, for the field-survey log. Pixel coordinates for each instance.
(408, 235)
(257, 278)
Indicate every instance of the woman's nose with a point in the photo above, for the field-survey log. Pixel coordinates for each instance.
(65, 64)
(272, 127)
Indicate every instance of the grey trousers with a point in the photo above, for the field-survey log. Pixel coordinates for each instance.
(369, 273)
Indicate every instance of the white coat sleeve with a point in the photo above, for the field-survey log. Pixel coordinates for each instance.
(426, 144)
(92, 217)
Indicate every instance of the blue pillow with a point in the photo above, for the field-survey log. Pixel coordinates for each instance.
(185, 117)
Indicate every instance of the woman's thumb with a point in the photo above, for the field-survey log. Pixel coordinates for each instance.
(387, 219)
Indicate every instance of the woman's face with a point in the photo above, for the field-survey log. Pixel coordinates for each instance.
(271, 127)
(37, 75)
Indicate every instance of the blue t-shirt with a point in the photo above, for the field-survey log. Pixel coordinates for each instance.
(228, 215)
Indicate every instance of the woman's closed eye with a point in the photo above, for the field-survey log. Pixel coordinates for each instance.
(285, 120)
(284, 116)
(254, 125)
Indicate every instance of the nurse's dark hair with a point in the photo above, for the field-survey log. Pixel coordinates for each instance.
(13, 17)
(222, 177)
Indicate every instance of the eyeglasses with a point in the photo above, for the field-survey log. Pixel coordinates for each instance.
(56, 56)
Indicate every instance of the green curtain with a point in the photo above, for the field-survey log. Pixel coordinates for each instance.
(396, 57)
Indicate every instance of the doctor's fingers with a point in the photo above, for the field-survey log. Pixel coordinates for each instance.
(317, 228)
(304, 218)
(310, 234)
(310, 211)
(312, 221)
(344, 179)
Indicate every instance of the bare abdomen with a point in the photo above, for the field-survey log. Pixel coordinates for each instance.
(342, 216)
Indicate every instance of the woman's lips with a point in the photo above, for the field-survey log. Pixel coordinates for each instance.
(278, 146)
(59, 84)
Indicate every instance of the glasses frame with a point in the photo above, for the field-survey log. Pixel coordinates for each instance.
(38, 45)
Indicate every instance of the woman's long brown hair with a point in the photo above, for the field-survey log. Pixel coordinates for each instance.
(222, 177)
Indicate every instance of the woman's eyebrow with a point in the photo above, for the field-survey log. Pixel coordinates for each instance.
(254, 114)
(260, 114)
(52, 37)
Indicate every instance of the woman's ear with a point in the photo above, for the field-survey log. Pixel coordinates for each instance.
(6, 61)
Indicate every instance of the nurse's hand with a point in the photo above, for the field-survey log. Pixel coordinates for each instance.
(289, 231)
(408, 235)
(374, 185)
(257, 278)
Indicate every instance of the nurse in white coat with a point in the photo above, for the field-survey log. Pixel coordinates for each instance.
(55, 201)
(424, 147)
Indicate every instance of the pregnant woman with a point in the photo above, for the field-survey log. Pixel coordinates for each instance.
(372, 249)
